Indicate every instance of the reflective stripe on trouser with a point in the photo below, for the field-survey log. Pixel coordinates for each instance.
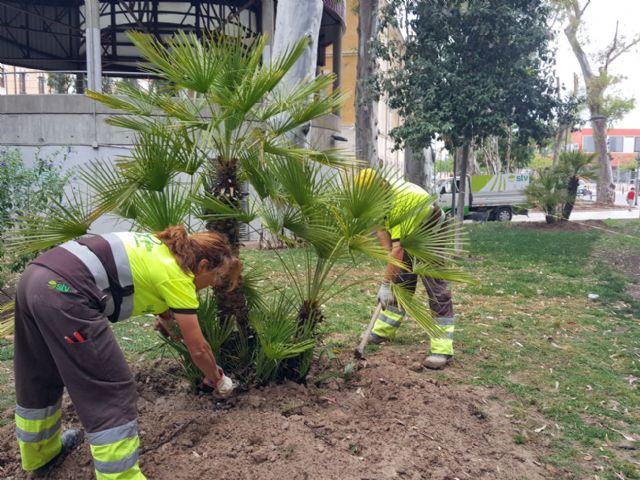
(444, 344)
(388, 322)
(115, 452)
(38, 431)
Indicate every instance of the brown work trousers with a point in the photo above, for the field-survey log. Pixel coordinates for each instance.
(438, 290)
(94, 371)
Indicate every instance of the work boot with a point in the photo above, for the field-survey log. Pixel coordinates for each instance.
(436, 361)
(376, 339)
(70, 439)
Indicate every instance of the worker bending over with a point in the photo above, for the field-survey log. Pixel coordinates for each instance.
(64, 302)
(405, 197)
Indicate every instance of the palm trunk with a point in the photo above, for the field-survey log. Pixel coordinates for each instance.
(231, 304)
(572, 191)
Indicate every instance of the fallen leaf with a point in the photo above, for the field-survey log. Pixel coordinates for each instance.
(588, 458)
(538, 430)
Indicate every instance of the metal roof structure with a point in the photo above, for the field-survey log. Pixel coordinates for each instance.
(54, 35)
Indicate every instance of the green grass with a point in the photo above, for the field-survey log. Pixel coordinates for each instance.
(526, 326)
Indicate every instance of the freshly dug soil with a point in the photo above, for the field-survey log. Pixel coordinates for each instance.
(391, 419)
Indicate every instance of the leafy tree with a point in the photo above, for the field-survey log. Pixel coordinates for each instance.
(470, 69)
(60, 82)
(598, 79)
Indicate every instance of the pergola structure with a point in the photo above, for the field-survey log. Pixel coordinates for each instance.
(90, 35)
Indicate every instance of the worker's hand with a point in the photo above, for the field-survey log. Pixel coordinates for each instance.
(223, 386)
(385, 295)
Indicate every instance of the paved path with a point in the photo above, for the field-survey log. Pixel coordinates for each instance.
(617, 214)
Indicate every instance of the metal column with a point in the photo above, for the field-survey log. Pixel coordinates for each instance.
(268, 22)
(93, 46)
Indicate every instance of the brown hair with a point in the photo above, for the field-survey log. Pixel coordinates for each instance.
(190, 250)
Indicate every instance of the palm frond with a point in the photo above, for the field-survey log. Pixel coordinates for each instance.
(417, 310)
(65, 220)
(218, 209)
(450, 274)
(7, 322)
(156, 211)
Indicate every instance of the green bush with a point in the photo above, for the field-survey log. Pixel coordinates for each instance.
(25, 191)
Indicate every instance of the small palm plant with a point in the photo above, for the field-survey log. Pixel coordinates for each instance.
(574, 165)
(548, 192)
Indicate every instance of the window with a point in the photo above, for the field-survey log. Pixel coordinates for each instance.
(41, 84)
(615, 144)
(22, 83)
(2, 84)
(636, 146)
(587, 144)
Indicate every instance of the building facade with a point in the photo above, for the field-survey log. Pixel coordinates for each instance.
(622, 143)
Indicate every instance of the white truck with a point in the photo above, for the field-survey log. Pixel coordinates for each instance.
(497, 197)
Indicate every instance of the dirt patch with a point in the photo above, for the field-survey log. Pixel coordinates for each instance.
(390, 420)
(626, 263)
(570, 226)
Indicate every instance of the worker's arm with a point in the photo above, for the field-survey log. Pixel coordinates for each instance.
(384, 238)
(392, 271)
(199, 349)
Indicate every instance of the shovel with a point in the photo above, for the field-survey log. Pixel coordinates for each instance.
(359, 352)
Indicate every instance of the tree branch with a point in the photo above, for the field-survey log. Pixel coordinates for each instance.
(625, 49)
(614, 45)
(583, 8)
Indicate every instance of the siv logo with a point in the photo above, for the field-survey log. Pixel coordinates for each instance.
(522, 178)
(147, 240)
(59, 286)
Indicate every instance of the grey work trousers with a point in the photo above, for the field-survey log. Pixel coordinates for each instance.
(94, 371)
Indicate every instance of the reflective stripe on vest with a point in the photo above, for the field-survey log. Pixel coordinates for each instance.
(94, 265)
(125, 275)
(91, 261)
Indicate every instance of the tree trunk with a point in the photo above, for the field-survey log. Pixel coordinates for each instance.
(366, 103)
(296, 20)
(414, 163)
(596, 86)
(605, 186)
(572, 193)
(461, 192)
(429, 169)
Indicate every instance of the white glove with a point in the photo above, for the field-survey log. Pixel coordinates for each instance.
(225, 387)
(385, 295)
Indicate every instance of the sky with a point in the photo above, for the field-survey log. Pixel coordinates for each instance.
(599, 28)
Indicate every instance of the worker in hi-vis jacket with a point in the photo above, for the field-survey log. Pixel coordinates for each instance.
(64, 302)
(405, 196)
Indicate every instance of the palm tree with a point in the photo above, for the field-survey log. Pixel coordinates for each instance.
(574, 165)
(548, 192)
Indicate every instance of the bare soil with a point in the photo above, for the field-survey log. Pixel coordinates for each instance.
(391, 419)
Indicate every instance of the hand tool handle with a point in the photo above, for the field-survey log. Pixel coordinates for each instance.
(359, 353)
